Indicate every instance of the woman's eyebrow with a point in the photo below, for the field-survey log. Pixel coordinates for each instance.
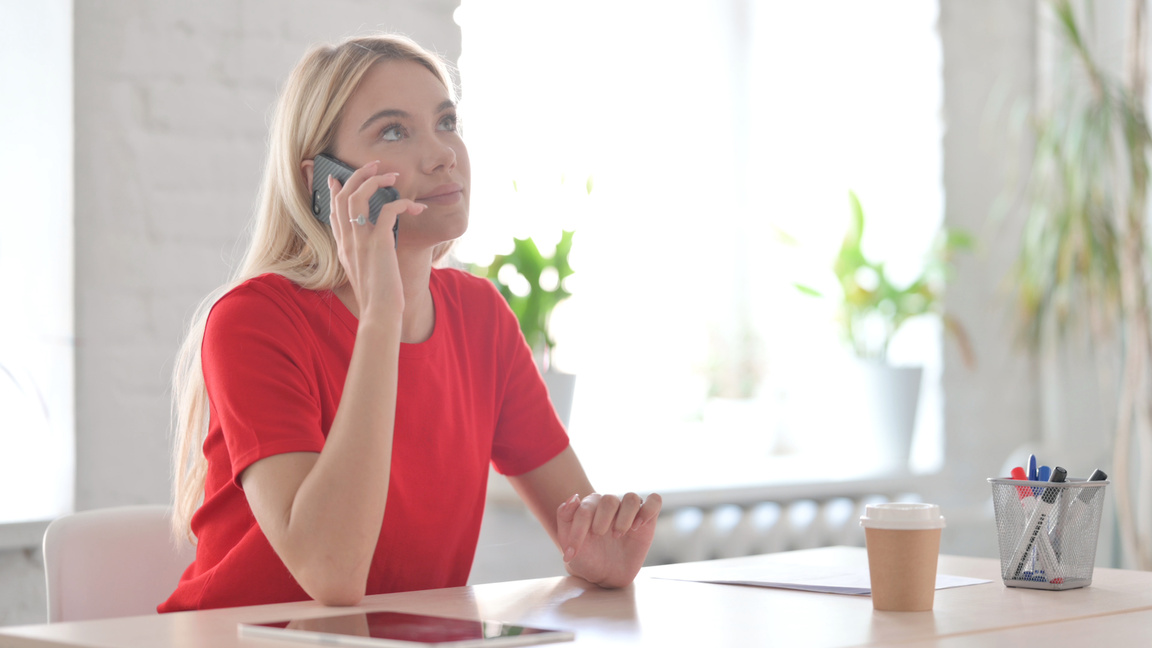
(447, 104)
(387, 112)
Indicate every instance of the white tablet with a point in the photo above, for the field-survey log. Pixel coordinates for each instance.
(403, 630)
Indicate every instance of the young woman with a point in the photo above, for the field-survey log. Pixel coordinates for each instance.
(339, 403)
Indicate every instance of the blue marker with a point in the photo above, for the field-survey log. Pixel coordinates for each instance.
(1044, 473)
(1032, 474)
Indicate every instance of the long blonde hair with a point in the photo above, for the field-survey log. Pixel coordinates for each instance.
(286, 239)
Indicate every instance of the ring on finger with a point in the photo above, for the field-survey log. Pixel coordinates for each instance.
(359, 220)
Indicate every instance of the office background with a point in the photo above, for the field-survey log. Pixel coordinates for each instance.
(167, 141)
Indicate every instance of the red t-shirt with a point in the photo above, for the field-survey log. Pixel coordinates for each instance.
(275, 357)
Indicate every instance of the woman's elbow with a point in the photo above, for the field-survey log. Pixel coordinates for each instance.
(336, 594)
(345, 597)
(327, 588)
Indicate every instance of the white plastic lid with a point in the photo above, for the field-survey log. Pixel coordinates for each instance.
(905, 516)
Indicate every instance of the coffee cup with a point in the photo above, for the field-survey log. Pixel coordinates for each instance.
(903, 541)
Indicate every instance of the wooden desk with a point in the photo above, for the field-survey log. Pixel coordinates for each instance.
(667, 613)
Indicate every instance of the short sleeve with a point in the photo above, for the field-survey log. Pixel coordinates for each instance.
(261, 386)
(528, 431)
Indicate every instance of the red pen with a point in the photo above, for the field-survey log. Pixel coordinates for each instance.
(1027, 496)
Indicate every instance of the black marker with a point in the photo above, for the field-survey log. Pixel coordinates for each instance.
(1077, 509)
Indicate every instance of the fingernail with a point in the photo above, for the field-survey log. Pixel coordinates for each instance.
(616, 534)
(636, 524)
(329, 182)
(568, 553)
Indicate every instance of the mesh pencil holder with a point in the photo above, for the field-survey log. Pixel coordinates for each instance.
(1047, 531)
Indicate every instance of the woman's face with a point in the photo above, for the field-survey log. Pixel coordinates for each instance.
(403, 116)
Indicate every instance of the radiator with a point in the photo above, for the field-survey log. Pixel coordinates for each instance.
(699, 525)
(688, 532)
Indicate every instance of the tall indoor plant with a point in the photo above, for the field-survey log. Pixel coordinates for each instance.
(1084, 257)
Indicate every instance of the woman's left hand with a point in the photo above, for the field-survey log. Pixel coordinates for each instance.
(605, 538)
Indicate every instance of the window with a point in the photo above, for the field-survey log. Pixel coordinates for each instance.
(36, 348)
(708, 129)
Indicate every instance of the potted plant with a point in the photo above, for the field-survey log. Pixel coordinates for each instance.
(533, 284)
(1084, 255)
(871, 309)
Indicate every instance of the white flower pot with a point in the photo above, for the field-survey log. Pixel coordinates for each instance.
(561, 387)
(888, 400)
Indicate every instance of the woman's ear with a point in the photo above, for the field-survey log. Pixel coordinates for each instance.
(306, 168)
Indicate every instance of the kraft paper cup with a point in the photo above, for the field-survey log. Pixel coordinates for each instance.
(903, 540)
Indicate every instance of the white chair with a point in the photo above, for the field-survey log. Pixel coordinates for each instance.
(112, 562)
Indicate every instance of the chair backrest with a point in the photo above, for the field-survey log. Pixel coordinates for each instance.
(112, 562)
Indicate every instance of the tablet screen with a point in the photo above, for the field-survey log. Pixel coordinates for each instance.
(401, 629)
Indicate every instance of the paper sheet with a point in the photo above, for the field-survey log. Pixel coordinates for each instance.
(831, 580)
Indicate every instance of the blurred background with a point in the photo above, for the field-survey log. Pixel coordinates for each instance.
(804, 240)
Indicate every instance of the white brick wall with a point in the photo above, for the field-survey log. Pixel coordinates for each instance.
(172, 103)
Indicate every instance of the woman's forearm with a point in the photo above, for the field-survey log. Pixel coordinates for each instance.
(329, 519)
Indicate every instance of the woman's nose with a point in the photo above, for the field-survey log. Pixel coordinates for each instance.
(440, 155)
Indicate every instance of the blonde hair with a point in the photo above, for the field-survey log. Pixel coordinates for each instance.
(286, 239)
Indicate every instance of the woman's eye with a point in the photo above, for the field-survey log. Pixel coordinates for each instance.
(392, 133)
(448, 123)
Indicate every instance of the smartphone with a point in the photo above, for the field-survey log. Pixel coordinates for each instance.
(324, 166)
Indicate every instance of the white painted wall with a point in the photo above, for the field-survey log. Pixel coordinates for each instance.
(989, 54)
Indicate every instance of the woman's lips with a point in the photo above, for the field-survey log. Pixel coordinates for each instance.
(448, 194)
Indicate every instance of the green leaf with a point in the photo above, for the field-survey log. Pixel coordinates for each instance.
(534, 309)
(808, 290)
(870, 301)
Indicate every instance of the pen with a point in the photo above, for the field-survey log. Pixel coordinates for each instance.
(1028, 501)
(1079, 506)
(1034, 535)
(1033, 473)
(1046, 474)
(1056, 533)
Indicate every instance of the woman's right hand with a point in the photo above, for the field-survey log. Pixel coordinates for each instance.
(367, 251)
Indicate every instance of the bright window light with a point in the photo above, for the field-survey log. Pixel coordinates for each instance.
(713, 132)
(36, 338)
